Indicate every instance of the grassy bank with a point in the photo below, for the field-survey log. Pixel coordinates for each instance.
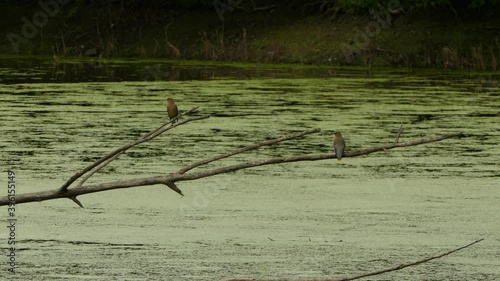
(438, 39)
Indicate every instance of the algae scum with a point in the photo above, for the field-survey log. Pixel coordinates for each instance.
(298, 220)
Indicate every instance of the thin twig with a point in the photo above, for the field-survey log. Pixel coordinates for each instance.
(403, 144)
(378, 272)
(399, 133)
(246, 148)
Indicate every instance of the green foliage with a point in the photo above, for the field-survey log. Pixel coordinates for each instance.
(358, 5)
(361, 6)
(480, 3)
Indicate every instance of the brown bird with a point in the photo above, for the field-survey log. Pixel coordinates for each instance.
(339, 146)
(172, 109)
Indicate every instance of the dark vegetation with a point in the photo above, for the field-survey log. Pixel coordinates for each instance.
(429, 33)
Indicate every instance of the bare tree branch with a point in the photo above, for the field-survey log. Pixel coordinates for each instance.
(309, 157)
(174, 177)
(246, 148)
(378, 272)
(402, 144)
(145, 138)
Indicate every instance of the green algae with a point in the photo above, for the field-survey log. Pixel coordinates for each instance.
(298, 220)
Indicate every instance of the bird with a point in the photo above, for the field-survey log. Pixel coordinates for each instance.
(339, 145)
(172, 109)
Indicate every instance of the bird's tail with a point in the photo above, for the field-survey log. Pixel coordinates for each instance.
(339, 160)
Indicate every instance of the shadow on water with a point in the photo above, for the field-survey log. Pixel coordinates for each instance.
(25, 70)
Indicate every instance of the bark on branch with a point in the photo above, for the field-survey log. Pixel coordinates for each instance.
(182, 175)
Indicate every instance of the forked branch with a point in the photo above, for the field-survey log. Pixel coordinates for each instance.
(246, 148)
(114, 154)
(182, 174)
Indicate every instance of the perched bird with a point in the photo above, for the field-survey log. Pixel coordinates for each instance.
(339, 145)
(172, 109)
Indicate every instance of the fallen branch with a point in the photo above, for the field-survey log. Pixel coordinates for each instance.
(378, 272)
(310, 157)
(181, 175)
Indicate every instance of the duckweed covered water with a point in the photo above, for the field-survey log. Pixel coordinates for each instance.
(298, 220)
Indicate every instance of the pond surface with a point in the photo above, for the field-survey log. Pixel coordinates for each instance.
(298, 220)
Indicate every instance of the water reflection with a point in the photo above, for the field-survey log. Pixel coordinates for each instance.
(34, 70)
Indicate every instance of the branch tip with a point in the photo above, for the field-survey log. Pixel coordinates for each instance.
(73, 198)
(381, 271)
(174, 187)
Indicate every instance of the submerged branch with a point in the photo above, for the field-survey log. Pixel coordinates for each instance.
(378, 272)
